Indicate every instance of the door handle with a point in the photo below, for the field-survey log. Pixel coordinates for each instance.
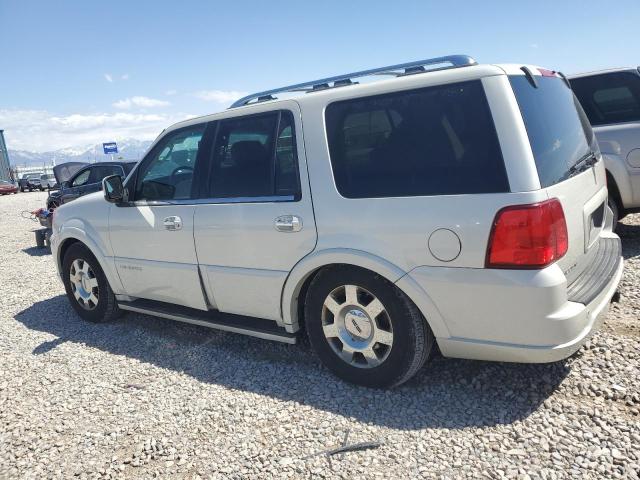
(172, 223)
(288, 223)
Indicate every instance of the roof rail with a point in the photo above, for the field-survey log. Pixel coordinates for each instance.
(454, 61)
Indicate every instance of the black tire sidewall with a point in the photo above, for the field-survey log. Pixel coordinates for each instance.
(613, 205)
(404, 346)
(98, 314)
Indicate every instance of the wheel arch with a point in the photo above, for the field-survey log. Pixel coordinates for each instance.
(297, 284)
(72, 235)
(618, 181)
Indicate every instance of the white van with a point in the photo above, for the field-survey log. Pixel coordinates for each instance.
(452, 203)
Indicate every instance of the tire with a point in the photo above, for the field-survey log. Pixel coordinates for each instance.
(385, 364)
(613, 205)
(95, 303)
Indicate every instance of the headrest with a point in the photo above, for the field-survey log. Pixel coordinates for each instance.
(249, 153)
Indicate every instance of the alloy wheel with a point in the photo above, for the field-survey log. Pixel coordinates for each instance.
(357, 326)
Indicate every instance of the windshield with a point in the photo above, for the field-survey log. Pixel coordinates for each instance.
(558, 130)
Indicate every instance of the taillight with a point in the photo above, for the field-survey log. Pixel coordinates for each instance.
(528, 236)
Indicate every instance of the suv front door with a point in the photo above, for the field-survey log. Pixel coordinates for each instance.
(152, 234)
(256, 221)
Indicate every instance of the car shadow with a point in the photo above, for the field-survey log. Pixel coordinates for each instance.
(449, 393)
(37, 251)
(630, 236)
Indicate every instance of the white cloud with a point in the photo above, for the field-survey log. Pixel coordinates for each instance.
(108, 77)
(125, 76)
(219, 96)
(41, 131)
(141, 102)
(170, 92)
(534, 45)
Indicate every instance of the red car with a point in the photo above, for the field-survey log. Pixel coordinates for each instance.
(7, 187)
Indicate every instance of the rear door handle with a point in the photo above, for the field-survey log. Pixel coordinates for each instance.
(172, 223)
(288, 223)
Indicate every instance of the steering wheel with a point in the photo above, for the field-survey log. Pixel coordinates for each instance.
(180, 169)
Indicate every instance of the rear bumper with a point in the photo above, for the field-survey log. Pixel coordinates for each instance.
(525, 317)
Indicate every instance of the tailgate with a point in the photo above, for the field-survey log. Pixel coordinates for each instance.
(584, 201)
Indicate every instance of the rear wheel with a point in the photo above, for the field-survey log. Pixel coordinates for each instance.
(364, 329)
(87, 287)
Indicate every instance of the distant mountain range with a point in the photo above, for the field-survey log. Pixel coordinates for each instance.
(128, 149)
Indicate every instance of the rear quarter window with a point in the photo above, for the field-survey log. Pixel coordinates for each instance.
(609, 98)
(432, 141)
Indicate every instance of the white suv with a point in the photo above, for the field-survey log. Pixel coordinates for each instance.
(611, 100)
(454, 203)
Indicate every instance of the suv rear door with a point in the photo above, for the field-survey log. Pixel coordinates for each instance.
(255, 220)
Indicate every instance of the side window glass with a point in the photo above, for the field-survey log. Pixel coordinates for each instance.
(81, 179)
(255, 157)
(167, 173)
(287, 177)
(609, 98)
(102, 171)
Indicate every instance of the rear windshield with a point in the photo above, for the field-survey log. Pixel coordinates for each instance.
(609, 98)
(432, 141)
(559, 132)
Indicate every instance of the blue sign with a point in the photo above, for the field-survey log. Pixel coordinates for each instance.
(110, 147)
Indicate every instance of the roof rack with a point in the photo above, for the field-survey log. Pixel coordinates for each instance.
(401, 69)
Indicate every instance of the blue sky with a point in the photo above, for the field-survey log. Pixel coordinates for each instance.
(77, 72)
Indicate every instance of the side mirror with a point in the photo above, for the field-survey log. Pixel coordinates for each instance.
(114, 191)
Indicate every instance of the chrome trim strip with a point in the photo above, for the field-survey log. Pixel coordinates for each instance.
(218, 201)
(226, 328)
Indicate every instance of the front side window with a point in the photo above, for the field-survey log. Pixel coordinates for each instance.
(167, 173)
(81, 178)
(609, 98)
(432, 141)
(255, 156)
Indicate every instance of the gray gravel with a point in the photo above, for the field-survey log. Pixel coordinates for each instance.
(146, 397)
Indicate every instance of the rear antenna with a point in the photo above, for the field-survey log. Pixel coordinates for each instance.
(530, 77)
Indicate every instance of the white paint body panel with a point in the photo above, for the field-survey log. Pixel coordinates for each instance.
(153, 262)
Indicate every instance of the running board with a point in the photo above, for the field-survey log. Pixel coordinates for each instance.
(254, 327)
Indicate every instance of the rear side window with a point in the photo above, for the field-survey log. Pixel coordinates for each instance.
(556, 126)
(102, 171)
(255, 156)
(433, 141)
(609, 98)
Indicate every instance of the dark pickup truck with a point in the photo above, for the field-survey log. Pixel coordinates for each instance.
(31, 182)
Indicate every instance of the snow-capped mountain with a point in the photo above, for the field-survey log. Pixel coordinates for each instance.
(128, 149)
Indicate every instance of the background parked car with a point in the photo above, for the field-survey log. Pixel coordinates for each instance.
(48, 181)
(7, 187)
(31, 182)
(78, 179)
(611, 100)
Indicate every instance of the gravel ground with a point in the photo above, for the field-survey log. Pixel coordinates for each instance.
(146, 397)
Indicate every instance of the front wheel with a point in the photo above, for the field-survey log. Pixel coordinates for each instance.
(87, 287)
(364, 329)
